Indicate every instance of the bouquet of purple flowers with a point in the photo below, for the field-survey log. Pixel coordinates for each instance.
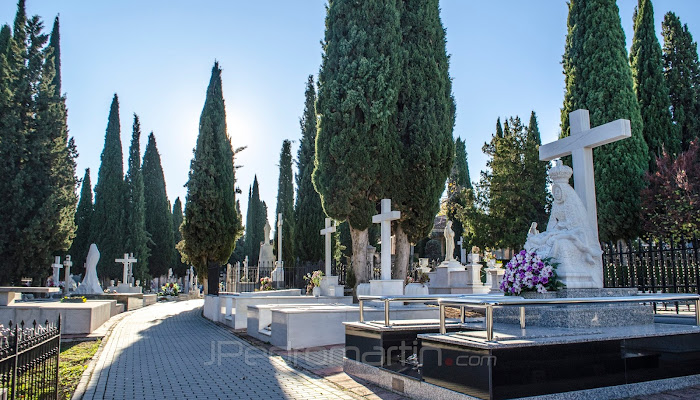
(527, 272)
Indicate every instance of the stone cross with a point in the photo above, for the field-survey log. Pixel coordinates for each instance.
(67, 281)
(580, 145)
(56, 270)
(279, 240)
(127, 261)
(327, 233)
(385, 219)
(462, 251)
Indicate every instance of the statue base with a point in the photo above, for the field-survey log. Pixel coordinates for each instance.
(580, 316)
(452, 265)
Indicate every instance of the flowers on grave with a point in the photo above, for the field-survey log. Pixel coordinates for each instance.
(475, 250)
(421, 278)
(265, 283)
(313, 280)
(527, 272)
(169, 289)
(73, 299)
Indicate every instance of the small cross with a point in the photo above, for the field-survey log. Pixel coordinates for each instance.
(327, 232)
(56, 270)
(127, 261)
(385, 218)
(67, 263)
(580, 146)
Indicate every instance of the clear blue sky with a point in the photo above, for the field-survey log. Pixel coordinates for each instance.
(157, 56)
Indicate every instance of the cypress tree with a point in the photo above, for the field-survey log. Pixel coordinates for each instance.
(159, 223)
(682, 71)
(55, 45)
(83, 219)
(239, 252)
(255, 223)
(136, 240)
(357, 149)
(179, 268)
(650, 86)
(536, 203)
(108, 221)
(285, 206)
(459, 191)
(308, 212)
(211, 224)
(426, 116)
(599, 79)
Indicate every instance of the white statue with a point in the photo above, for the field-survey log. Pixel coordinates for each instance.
(569, 239)
(90, 283)
(449, 242)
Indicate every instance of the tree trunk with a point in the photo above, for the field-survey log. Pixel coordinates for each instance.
(360, 240)
(213, 278)
(403, 250)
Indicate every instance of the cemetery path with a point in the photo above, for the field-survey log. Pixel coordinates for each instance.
(169, 351)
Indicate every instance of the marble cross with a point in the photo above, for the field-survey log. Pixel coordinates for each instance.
(327, 232)
(279, 239)
(56, 270)
(127, 261)
(67, 263)
(580, 145)
(385, 218)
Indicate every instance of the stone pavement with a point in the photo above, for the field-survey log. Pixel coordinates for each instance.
(169, 351)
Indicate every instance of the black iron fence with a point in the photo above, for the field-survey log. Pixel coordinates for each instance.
(664, 266)
(29, 360)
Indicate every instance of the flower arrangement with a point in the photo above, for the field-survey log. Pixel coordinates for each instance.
(265, 283)
(73, 299)
(313, 280)
(475, 250)
(169, 289)
(528, 272)
(489, 257)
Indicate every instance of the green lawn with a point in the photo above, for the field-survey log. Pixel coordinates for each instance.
(74, 360)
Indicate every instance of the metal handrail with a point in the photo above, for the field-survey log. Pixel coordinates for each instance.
(416, 299)
(511, 301)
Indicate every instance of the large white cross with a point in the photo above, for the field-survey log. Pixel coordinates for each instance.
(127, 261)
(385, 219)
(279, 239)
(580, 145)
(327, 233)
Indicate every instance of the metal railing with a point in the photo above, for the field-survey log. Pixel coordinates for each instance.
(29, 357)
(489, 305)
(386, 300)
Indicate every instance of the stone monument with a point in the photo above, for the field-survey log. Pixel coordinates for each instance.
(90, 283)
(450, 263)
(56, 271)
(126, 286)
(266, 260)
(278, 273)
(68, 282)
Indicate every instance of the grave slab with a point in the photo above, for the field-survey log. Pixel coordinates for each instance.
(77, 318)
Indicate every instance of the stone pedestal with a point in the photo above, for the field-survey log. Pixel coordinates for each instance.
(330, 287)
(386, 287)
(127, 288)
(494, 276)
(452, 265)
(450, 279)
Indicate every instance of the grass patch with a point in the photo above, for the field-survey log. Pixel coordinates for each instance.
(75, 358)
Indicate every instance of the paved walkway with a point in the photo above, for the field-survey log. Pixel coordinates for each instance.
(169, 351)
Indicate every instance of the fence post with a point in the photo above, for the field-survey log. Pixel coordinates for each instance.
(58, 353)
(14, 364)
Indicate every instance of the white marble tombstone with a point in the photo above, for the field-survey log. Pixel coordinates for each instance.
(90, 283)
(386, 286)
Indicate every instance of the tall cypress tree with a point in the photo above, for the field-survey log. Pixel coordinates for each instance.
(83, 219)
(426, 117)
(285, 206)
(211, 224)
(682, 71)
(179, 268)
(459, 191)
(357, 149)
(136, 240)
(650, 86)
(599, 79)
(109, 221)
(536, 203)
(308, 212)
(255, 223)
(55, 45)
(159, 223)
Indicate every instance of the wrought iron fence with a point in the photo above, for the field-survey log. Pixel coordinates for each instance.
(666, 266)
(29, 357)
